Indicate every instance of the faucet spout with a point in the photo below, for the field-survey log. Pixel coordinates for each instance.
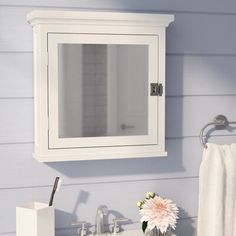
(101, 212)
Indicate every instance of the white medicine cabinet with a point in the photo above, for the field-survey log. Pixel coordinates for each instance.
(99, 85)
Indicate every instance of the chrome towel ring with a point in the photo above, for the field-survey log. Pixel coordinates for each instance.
(220, 122)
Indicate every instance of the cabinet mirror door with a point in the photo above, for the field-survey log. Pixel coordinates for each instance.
(99, 90)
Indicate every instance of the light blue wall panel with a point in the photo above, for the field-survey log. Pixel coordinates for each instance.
(147, 5)
(186, 75)
(200, 75)
(16, 34)
(79, 202)
(16, 120)
(185, 116)
(202, 34)
(184, 157)
(16, 72)
(17, 163)
(189, 34)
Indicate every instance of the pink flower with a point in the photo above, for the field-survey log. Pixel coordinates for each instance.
(160, 213)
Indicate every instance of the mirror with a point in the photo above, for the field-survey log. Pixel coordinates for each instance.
(103, 90)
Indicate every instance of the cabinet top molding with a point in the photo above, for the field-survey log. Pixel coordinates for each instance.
(99, 18)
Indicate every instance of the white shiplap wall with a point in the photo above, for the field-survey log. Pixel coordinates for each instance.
(201, 82)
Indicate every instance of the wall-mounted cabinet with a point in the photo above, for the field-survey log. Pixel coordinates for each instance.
(99, 85)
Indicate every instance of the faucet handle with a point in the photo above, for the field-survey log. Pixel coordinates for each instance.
(116, 227)
(82, 224)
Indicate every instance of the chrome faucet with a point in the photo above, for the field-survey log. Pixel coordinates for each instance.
(101, 212)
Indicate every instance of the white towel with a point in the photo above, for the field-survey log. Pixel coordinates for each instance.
(217, 191)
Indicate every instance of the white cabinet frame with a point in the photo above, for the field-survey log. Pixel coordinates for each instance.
(53, 27)
(54, 141)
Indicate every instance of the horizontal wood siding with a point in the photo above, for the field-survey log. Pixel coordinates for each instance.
(184, 157)
(16, 72)
(187, 115)
(208, 6)
(201, 58)
(189, 34)
(80, 202)
(187, 75)
(184, 116)
(16, 120)
(194, 75)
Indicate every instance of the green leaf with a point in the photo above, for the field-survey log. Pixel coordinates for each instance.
(144, 226)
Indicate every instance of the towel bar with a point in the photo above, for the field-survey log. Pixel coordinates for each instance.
(220, 122)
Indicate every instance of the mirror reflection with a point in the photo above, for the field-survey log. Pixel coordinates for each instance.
(103, 90)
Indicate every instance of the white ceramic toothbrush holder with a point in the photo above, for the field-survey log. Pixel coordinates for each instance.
(35, 219)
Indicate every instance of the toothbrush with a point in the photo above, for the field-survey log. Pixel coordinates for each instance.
(56, 187)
